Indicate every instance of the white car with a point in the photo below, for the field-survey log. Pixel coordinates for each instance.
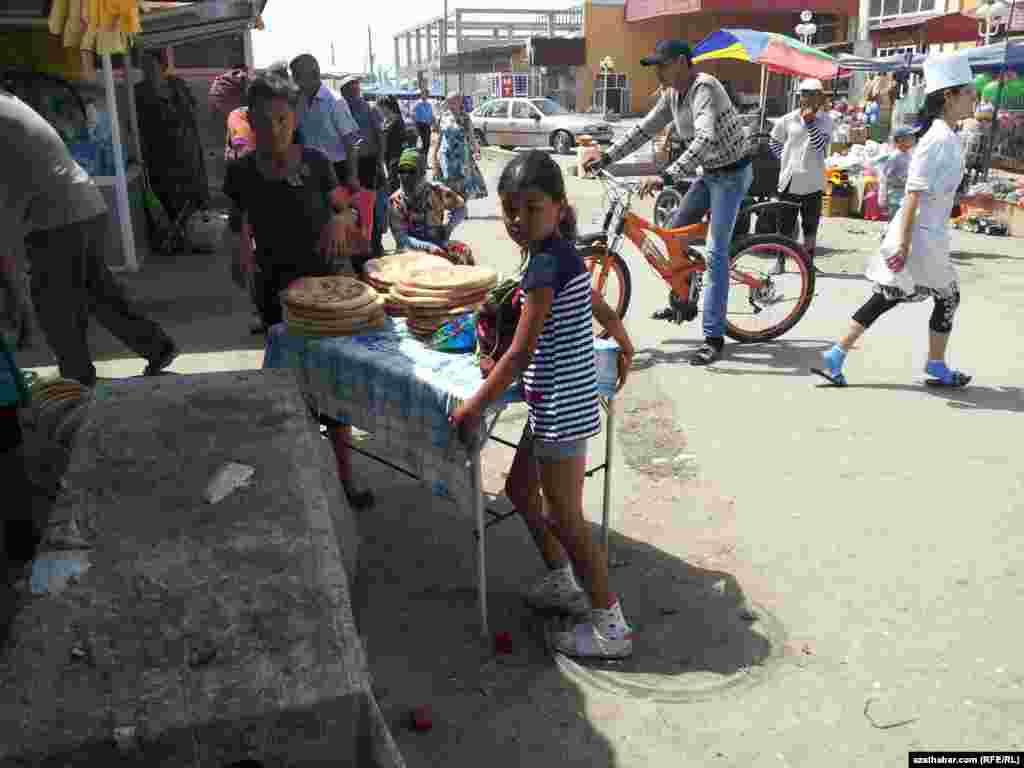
(535, 123)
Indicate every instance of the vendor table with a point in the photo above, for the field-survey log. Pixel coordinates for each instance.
(393, 386)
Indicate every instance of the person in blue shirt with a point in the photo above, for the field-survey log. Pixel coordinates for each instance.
(325, 121)
(423, 116)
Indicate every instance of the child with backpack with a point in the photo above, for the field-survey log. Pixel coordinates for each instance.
(553, 352)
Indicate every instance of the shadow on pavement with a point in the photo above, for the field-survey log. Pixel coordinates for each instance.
(971, 398)
(696, 634)
(786, 358)
(968, 256)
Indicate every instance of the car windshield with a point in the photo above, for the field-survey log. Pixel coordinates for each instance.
(549, 107)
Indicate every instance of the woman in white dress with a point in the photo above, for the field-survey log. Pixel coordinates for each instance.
(913, 262)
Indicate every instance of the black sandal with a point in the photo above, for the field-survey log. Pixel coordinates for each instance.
(360, 500)
(706, 354)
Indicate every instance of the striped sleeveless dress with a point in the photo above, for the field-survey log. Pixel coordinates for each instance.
(561, 381)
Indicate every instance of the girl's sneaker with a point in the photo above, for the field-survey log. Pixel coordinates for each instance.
(583, 640)
(557, 594)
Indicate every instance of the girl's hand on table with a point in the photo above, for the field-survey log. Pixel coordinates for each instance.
(466, 420)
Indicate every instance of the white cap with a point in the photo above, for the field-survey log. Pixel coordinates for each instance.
(946, 71)
(811, 84)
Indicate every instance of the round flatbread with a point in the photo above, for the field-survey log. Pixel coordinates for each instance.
(332, 323)
(45, 389)
(318, 331)
(390, 269)
(450, 277)
(399, 296)
(327, 314)
(429, 314)
(334, 292)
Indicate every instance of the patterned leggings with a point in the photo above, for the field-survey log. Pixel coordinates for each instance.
(941, 319)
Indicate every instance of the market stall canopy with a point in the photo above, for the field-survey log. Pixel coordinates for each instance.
(640, 10)
(480, 59)
(984, 58)
(950, 28)
(778, 53)
(166, 24)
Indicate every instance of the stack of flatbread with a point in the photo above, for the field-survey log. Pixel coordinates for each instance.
(59, 406)
(431, 296)
(331, 306)
(386, 271)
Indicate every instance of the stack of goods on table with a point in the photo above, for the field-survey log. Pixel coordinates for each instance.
(59, 406)
(331, 306)
(432, 296)
(386, 271)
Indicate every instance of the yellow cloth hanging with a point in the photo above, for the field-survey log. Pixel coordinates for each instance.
(58, 16)
(91, 14)
(74, 30)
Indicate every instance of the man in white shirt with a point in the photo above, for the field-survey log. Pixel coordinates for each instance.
(800, 139)
(49, 201)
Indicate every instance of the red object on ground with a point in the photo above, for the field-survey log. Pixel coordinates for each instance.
(422, 718)
(503, 642)
(872, 212)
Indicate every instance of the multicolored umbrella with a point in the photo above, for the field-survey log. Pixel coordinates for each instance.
(778, 53)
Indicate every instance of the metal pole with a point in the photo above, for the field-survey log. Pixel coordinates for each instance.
(764, 98)
(121, 179)
(481, 535)
(444, 43)
(609, 457)
(994, 130)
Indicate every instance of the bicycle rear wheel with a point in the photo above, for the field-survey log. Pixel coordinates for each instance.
(764, 303)
(609, 276)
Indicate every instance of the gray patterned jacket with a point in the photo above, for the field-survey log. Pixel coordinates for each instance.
(705, 119)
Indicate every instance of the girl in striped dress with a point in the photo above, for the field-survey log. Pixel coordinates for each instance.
(553, 352)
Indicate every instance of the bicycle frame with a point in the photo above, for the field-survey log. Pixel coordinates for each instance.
(620, 221)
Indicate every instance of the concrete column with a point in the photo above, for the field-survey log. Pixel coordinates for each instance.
(551, 25)
(408, 50)
(419, 46)
(458, 44)
(398, 58)
(861, 47)
(430, 42)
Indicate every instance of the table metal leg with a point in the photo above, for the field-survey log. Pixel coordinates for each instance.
(609, 454)
(476, 471)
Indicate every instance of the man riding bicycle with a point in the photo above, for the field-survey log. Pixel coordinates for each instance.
(708, 123)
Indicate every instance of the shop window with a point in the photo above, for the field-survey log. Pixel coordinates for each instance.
(828, 29)
(878, 9)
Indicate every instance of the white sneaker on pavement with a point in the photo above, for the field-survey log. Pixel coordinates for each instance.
(584, 640)
(554, 593)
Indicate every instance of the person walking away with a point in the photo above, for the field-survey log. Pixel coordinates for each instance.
(171, 144)
(394, 136)
(707, 122)
(423, 116)
(455, 152)
(419, 209)
(371, 168)
(553, 351)
(53, 204)
(892, 182)
(800, 140)
(301, 219)
(914, 261)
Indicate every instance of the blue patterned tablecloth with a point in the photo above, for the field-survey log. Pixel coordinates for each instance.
(391, 385)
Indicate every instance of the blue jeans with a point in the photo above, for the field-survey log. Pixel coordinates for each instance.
(723, 195)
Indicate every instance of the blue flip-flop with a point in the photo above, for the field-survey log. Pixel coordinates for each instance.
(835, 379)
(958, 380)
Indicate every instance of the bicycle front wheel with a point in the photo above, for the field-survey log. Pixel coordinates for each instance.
(771, 285)
(609, 276)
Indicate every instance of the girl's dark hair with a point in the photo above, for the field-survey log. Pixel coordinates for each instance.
(536, 170)
(533, 170)
(934, 106)
(266, 88)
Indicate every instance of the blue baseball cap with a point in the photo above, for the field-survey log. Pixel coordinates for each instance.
(667, 50)
(904, 131)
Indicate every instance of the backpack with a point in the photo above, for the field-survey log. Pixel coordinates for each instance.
(227, 91)
(496, 323)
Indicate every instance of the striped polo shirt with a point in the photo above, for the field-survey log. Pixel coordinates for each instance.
(561, 380)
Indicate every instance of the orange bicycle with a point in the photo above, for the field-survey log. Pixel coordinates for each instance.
(762, 306)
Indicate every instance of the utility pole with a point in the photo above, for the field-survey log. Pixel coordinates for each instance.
(333, 62)
(369, 35)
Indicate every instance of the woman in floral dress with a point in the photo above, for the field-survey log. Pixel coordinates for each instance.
(455, 152)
